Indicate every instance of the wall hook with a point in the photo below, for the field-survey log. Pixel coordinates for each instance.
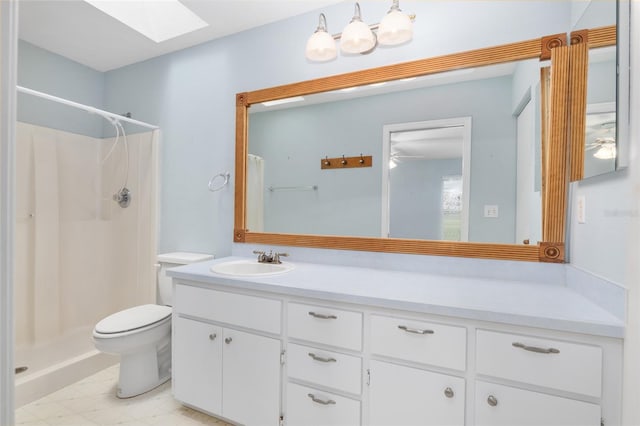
(326, 160)
(344, 161)
(361, 160)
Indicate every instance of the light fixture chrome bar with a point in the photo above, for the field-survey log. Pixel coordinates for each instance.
(372, 27)
(87, 108)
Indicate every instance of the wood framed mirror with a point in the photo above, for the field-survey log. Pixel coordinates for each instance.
(553, 177)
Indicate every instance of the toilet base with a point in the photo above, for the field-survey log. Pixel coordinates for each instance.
(144, 370)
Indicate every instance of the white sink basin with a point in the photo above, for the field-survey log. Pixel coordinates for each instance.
(250, 268)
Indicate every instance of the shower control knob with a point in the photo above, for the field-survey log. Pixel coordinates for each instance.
(228, 340)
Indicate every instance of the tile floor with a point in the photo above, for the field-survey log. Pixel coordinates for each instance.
(92, 402)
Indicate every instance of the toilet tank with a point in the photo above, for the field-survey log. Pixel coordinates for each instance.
(165, 261)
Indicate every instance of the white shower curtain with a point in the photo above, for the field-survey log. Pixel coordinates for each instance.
(255, 193)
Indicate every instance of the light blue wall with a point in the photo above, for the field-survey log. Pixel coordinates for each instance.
(349, 202)
(47, 72)
(191, 93)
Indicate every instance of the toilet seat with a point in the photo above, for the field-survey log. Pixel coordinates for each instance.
(133, 319)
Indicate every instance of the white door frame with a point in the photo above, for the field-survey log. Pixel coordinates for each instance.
(387, 129)
(8, 81)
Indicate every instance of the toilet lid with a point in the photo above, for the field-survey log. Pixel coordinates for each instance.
(133, 318)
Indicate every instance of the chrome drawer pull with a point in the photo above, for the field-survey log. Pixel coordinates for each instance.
(535, 348)
(213, 336)
(320, 401)
(448, 392)
(322, 316)
(320, 358)
(492, 400)
(415, 330)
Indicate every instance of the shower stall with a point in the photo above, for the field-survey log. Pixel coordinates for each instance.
(85, 234)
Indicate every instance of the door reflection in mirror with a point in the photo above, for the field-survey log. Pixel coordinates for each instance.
(427, 183)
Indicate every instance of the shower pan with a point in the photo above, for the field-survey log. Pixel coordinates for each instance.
(85, 235)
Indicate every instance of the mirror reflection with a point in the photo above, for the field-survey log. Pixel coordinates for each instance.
(601, 142)
(442, 188)
(600, 136)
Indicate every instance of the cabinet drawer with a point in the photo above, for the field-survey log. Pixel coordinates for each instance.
(330, 326)
(424, 342)
(325, 368)
(308, 406)
(498, 405)
(556, 364)
(237, 309)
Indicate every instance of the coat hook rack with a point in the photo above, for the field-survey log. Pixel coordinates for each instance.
(346, 162)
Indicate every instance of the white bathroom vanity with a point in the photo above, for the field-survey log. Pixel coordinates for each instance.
(337, 345)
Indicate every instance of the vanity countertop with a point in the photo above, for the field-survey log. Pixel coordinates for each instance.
(544, 305)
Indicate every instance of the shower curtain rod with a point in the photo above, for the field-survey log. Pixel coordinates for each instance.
(87, 108)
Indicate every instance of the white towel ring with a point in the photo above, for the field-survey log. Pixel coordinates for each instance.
(213, 187)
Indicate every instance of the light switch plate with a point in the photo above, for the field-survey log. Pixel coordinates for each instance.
(490, 211)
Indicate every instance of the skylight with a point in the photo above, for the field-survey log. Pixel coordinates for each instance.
(158, 20)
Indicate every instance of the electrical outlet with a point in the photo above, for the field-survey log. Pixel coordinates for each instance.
(490, 211)
(581, 214)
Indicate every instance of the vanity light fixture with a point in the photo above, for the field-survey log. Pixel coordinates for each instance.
(359, 38)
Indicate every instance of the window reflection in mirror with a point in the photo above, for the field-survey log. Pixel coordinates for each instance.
(300, 198)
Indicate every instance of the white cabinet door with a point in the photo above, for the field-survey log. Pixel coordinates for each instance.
(251, 379)
(197, 364)
(498, 405)
(405, 396)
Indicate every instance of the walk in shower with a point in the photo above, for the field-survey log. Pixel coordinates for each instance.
(85, 234)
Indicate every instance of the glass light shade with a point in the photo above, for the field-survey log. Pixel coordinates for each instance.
(321, 47)
(606, 152)
(395, 28)
(357, 37)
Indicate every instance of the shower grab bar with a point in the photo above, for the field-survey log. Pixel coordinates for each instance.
(87, 108)
(214, 188)
(293, 188)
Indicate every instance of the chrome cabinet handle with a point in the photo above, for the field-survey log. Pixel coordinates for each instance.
(320, 401)
(321, 358)
(213, 336)
(492, 400)
(322, 316)
(535, 348)
(415, 330)
(228, 340)
(448, 392)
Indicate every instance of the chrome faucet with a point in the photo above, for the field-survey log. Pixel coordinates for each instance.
(269, 258)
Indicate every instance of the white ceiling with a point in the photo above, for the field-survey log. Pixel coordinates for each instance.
(80, 32)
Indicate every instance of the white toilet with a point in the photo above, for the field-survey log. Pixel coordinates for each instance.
(142, 335)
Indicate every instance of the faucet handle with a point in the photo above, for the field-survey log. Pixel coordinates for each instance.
(258, 252)
(276, 257)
